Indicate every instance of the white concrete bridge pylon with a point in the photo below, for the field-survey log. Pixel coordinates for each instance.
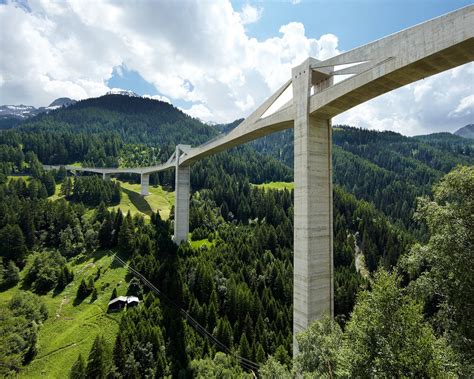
(182, 195)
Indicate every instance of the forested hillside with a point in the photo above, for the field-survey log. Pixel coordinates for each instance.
(234, 277)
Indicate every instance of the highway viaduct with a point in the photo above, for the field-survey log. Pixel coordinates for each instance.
(313, 99)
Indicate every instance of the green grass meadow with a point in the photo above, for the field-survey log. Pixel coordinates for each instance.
(158, 200)
(276, 185)
(71, 327)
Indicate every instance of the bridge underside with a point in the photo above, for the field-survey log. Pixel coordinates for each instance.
(342, 97)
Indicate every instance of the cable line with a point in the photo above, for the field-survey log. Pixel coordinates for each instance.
(244, 362)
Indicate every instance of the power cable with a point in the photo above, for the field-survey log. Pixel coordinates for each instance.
(244, 362)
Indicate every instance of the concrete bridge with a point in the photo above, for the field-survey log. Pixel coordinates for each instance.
(306, 103)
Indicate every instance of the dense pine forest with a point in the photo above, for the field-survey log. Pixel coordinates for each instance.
(402, 218)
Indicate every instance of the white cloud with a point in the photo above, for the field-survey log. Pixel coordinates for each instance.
(199, 111)
(465, 106)
(422, 107)
(158, 97)
(250, 14)
(194, 51)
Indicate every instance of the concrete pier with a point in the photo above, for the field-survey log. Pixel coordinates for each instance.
(313, 264)
(105, 176)
(182, 193)
(144, 182)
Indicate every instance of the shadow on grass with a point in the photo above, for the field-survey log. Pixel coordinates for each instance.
(78, 300)
(138, 201)
(115, 264)
(100, 253)
(58, 289)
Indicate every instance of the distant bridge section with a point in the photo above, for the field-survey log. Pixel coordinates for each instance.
(306, 103)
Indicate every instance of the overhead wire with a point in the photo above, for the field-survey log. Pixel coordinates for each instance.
(244, 362)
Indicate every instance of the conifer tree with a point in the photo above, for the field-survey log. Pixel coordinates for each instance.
(119, 355)
(78, 369)
(97, 363)
(259, 353)
(125, 236)
(244, 348)
(12, 244)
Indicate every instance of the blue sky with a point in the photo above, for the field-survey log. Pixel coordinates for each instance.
(355, 22)
(216, 59)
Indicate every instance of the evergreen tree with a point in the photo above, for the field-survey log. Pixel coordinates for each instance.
(125, 236)
(259, 354)
(78, 369)
(224, 332)
(106, 231)
(119, 355)
(49, 183)
(12, 244)
(244, 348)
(98, 361)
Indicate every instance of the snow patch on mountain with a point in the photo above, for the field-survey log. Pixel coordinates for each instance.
(26, 111)
(123, 92)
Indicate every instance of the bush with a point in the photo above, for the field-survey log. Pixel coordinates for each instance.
(46, 272)
(10, 275)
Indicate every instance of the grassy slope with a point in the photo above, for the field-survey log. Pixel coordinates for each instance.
(159, 199)
(199, 243)
(276, 185)
(71, 328)
(131, 200)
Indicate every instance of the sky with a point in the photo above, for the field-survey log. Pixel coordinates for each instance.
(217, 60)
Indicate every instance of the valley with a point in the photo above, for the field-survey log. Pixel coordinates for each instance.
(233, 276)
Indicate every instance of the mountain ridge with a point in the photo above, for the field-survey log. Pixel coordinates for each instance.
(466, 131)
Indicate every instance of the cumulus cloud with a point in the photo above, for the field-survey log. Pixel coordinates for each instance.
(465, 106)
(250, 14)
(199, 111)
(194, 51)
(158, 97)
(440, 103)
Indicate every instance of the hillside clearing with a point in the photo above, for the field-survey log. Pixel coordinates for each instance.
(71, 328)
(158, 200)
(276, 185)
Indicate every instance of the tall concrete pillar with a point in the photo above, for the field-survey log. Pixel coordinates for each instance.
(181, 204)
(144, 181)
(313, 234)
(105, 176)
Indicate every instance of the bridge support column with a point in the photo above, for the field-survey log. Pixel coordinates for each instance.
(105, 176)
(313, 234)
(144, 181)
(182, 193)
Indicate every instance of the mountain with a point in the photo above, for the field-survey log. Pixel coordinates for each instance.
(61, 102)
(22, 112)
(466, 131)
(98, 130)
(18, 111)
